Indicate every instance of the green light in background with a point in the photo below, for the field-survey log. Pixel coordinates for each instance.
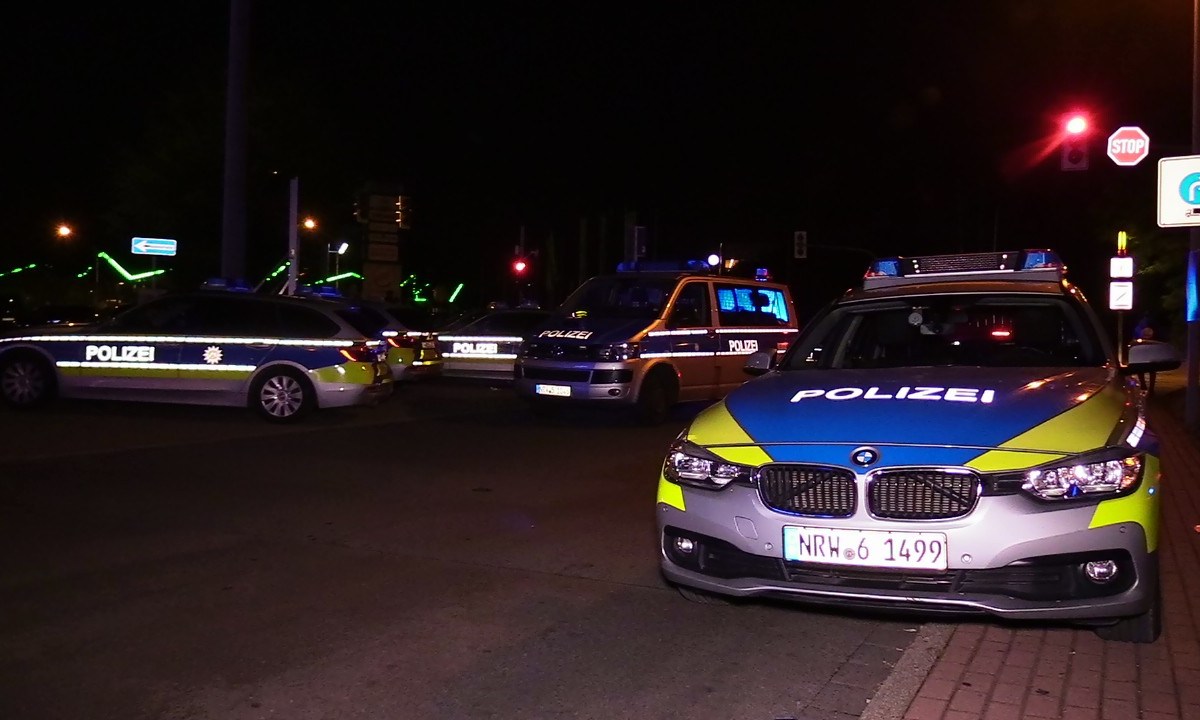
(278, 270)
(335, 278)
(457, 290)
(125, 273)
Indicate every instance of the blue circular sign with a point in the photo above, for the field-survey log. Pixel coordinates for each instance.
(1189, 188)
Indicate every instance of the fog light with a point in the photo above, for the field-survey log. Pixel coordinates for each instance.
(685, 545)
(614, 392)
(1100, 571)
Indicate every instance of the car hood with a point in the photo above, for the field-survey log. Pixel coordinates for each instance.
(987, 418)
(589, 331)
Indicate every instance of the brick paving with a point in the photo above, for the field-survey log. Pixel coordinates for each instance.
(994, 671)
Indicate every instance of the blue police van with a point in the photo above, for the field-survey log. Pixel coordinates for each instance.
(653, 335)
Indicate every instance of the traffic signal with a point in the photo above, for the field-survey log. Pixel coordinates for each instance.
(1075, 142)
(519, 266)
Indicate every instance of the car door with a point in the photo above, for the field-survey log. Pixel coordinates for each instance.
(750, 317)
(226, 339)
(692, 340)
(134, 354)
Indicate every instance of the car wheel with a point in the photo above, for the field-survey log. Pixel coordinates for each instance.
(702, 597)
(26, 381)
(655, 399)
(282, 395)
(1144, 628)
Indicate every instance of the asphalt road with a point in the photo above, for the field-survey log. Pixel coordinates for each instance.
(444, 555)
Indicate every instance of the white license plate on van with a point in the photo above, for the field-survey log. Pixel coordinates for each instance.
(866, 548)
(555, 390)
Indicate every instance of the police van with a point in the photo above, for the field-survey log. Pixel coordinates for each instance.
(652, 335)
(281, 356)
(957, 436)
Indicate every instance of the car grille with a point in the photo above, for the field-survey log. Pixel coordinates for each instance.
(917, 494)
(808, 490)
(555, 374)
(557, 351)
(910, 494)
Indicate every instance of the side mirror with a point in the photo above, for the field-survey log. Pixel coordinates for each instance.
(759, 363)
(1152, 356)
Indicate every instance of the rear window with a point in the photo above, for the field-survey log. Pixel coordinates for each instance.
(301, 322)
(368, 321)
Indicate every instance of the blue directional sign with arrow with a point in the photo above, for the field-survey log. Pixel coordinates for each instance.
(154, 246)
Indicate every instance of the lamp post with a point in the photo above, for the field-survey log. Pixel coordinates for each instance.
(338, 252)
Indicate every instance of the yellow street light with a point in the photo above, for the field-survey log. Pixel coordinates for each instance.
(63, 230)
(309, 223)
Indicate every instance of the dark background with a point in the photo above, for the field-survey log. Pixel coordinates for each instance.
(898, 128)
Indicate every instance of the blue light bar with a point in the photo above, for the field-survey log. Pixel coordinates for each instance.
(1031, 265)
(664, 266)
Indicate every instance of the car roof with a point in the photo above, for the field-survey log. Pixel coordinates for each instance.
(958, 287)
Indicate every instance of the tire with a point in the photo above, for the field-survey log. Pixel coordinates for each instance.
(1144, 628)
(702, 597)
(26, 381)
(655, 399)
(282, 395)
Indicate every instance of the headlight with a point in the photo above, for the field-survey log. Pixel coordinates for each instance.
(1108, 473)
(617, 352)
(689, 464)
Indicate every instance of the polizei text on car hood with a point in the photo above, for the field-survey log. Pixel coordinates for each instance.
(988, 418)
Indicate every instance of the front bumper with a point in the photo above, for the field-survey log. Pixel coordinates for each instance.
(613, 383)
(1011, 557)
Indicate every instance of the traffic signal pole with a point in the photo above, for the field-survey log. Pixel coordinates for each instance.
(1192, 393)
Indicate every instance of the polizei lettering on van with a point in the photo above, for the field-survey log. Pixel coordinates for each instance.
(572, 334)
(743, 346)
(114, 353)
(970, 395)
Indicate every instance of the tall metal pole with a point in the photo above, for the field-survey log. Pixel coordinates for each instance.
(293, 229)
(233, 216)
(1192, 393)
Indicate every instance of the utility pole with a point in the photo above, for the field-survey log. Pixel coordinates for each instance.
(293, 229)
(1192, 393)
(233, 216)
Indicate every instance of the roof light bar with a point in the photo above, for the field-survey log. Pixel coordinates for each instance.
(1038, 265)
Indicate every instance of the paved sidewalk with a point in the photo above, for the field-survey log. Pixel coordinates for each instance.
(994, 671)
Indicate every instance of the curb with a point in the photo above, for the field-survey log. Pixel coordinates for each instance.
(894, 696)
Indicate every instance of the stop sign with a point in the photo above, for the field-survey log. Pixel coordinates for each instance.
(1128, 145)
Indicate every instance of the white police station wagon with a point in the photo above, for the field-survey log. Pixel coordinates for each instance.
(954, 437)
(281, 356)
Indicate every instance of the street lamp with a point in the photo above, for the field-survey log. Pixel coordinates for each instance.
(64, 230)
(337, 253)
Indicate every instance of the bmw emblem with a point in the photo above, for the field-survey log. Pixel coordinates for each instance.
(864, 456)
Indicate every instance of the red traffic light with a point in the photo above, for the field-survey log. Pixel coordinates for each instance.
(1075, 123)
(519, 266)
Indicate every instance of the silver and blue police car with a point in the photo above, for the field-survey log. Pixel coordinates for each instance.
(281, 356)
(954, 437)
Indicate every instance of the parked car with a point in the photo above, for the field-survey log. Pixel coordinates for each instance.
(281, 356)
(955, 437)
(652, 335)
(486, 347)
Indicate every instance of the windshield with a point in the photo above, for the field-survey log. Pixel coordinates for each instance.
(950, 330)
(633, 296)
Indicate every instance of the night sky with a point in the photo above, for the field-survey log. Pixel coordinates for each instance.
(896, 128)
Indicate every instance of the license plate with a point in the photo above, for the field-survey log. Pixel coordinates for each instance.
(555, 390)
(866, 548)
(427, 345)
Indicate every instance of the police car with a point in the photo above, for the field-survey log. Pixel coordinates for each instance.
(652, 335)
(954, 437)
(411, 354)
(281, 356)
(486, 347)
